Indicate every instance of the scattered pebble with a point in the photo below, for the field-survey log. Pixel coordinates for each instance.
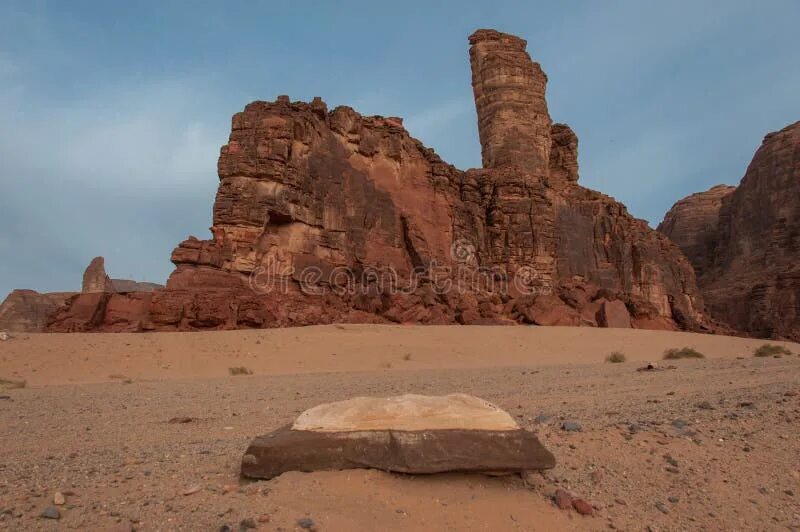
(306, 523)
(247, 523)
(59, 499)
(51, 512)
(182, 419)
(571, 426)
(582, 507)
(191, 490)
(680, 423)
(673, 499)
(562, 499)
(704, 405)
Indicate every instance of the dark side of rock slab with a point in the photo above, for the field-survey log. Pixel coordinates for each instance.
(424, 451)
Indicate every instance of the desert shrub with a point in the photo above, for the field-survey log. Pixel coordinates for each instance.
(769, 350)
(616, 357)
(240, 370)
(684, 352)
(11, 384)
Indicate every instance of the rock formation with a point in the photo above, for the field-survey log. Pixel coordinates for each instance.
(745, 242)
(28, 310)
(407, 434)
(95, 279)
(692, 223)
(326, 216)
(31, 311)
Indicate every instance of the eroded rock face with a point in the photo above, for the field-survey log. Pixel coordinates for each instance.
(406, 434)
(748, 251)
(95, 278)
(28, 310)
(693, 224)
(326, 215)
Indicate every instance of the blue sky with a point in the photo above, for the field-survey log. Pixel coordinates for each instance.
(112, 113)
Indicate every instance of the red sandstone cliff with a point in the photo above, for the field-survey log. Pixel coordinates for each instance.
(326, 216)
(747, 252)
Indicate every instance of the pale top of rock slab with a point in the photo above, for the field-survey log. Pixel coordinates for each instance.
(410, 412)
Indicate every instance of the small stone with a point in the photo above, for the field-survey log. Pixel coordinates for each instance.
(306, 523)
(571, 426)
(51, 512)
(596, 476)
(562, 499)
(4, 336)
(704, 405)
(673, 499)
(263, 518)
(182, 419)
(670, 460)
(680, 423)
(661, 508)
(582, 507)
(59, 499)
(542, 418)
(191, 490)
(672, 469)
(224, 528)
(247, 523)
(790, 493)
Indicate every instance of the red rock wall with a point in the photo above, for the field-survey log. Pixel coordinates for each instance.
(745, 242)
(325, 216)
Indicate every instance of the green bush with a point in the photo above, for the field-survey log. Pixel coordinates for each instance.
(769, 350)
(684, 352)
(616, 357)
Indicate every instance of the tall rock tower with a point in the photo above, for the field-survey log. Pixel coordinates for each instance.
(509, 88)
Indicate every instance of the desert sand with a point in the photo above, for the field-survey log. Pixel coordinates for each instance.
(711, 444)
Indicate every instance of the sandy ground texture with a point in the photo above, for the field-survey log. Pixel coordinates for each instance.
(709, 445)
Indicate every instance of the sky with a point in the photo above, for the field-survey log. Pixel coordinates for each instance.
(112, 113)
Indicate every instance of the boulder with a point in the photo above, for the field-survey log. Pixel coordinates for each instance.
(614, 314)
(405, 434)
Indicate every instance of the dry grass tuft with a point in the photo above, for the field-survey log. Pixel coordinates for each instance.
(771, 350)
(684, 352)
(11, 384)
(616, 357)
(240, 370)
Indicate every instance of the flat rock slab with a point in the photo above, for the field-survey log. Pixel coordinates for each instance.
(405, 434)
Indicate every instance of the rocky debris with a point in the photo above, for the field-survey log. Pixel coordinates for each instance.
(50, 512)
(571, 426)
(743, 241)
(321, 214)
(4, 336)
(59, 499)
(406, 434)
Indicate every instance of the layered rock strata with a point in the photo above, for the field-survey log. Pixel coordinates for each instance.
(327, 215)
(745, 241)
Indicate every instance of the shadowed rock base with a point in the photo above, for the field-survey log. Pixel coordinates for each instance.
(423, 451)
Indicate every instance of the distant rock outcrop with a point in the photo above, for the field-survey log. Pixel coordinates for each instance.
(745, 241)
(31, 311)
(326, 216)
(28, 310)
